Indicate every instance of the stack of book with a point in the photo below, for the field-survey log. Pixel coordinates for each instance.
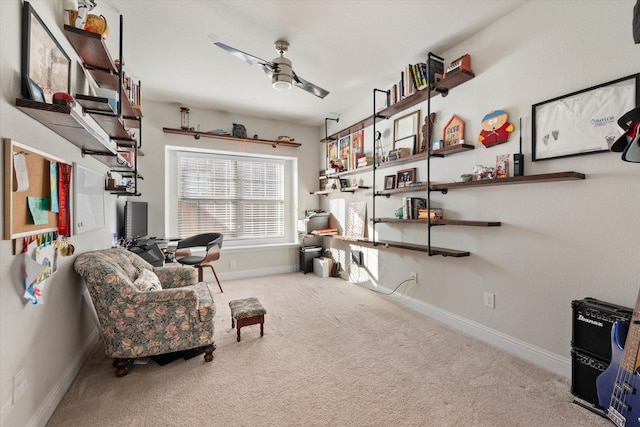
(415, 77)
(131, 87)
(434, 214)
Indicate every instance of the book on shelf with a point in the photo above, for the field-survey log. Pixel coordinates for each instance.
(435, 213)
(325, 232)
(502, 165)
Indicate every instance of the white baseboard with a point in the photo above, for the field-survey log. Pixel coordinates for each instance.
(53, 399)
(243, 274)
(538, 356)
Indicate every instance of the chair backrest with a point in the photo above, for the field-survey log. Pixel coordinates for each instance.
(206, 239)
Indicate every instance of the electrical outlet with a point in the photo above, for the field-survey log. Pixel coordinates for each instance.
(232, 264)
(19, 385)
(489, 300)
(413, 276)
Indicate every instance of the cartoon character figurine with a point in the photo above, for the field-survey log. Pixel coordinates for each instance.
(495, 128)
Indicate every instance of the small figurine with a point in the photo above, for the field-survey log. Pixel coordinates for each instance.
(495, 128)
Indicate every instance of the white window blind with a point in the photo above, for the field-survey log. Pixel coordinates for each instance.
(240, 197)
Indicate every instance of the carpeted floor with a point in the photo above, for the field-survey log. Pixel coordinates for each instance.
(333, 354)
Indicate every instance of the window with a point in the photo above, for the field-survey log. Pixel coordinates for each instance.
(247, 198)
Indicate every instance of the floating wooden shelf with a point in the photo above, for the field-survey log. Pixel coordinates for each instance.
(440, 222)
(408, 246)
(409, 189)
(197, 135)
(545, 177)
(451, 149)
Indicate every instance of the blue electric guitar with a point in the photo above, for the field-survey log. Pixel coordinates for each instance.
(619, 385)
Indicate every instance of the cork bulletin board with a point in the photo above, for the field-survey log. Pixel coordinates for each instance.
(18, 221)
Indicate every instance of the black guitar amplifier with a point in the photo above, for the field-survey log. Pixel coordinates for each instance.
(584, 371)
(592, 322)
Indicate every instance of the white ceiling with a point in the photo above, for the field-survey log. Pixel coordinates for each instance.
(347, 47)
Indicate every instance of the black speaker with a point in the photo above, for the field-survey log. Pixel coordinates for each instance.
(584, 371)
(592, 322)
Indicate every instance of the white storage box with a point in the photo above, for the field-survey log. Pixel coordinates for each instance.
(321, 267)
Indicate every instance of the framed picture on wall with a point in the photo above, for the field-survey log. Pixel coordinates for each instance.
(389, 182)
(45, 65)
(582, 122)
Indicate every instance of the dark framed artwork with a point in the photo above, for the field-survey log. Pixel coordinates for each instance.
(405, 177)
(582, 122)
(45, 65)
(389, 182)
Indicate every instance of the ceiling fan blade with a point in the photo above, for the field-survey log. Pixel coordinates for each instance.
(249, 59)
(309, 87)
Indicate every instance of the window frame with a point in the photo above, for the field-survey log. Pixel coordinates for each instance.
(172, 184)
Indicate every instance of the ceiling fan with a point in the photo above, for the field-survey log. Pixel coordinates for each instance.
(279, 69)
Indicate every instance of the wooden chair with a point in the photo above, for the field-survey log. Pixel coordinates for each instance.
(211, 241)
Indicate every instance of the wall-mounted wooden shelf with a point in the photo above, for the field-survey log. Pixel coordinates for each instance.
(70, 125)
(452, 80)
(545, 177)
(402, 245)
(198, 135)
(452, 149)
(383, 165)
(439, 222)
(351, 189)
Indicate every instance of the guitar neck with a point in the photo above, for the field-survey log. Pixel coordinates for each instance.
(631, 355)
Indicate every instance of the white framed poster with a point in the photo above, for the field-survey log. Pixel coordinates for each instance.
(88, 199)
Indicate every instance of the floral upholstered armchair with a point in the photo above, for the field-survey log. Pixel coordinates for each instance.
(146, 311)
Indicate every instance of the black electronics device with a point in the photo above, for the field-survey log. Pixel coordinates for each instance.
(591, 343)
(518, 158)
(518, 164)
(307, 255)
(592, 323)
(585, 369)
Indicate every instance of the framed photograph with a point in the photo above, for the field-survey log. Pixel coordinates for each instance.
(582, 122)
(406, 142)
(389, 182)
(405, 127)
(405, 177)
(44, 64)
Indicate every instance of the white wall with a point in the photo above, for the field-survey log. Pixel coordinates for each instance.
(558, 241)
(47, 341)
(249, 262)
(50, 341)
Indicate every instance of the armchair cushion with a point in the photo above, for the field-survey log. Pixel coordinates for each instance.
(147, 281)
(136, 324)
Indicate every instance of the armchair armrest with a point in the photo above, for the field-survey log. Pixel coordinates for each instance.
(176, 277)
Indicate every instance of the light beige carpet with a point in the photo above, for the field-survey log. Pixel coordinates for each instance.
(333, 354)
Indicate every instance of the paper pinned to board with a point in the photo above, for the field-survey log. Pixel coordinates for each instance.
(22, 174)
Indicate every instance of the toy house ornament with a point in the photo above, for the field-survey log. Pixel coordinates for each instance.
(453, 132)
(495, 128)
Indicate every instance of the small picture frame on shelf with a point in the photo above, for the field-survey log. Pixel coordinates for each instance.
(344, 183)
(389, 182)
(405, 177)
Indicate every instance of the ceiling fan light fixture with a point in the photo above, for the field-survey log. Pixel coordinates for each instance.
(282, 77)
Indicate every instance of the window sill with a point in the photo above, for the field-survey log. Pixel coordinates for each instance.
(265, 247)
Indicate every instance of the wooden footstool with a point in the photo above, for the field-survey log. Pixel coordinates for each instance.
(247, 312)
